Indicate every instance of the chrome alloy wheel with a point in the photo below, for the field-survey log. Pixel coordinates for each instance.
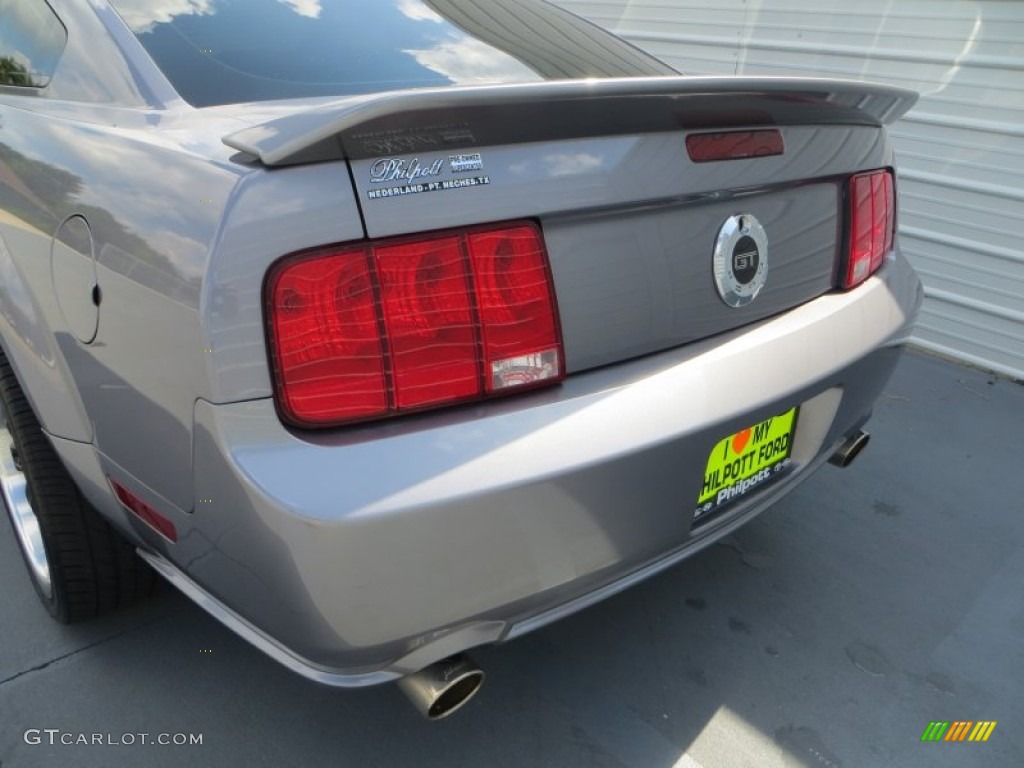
(14, 487)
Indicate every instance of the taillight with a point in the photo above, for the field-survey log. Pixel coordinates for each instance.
(872, 217)
(405, 324)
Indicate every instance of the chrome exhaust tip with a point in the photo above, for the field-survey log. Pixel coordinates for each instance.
(850, 449)
(442, 688)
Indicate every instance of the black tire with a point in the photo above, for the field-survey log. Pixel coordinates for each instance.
(91, 568)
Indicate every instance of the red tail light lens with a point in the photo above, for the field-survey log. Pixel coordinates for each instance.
(430, 326)
(411, 323)
(326, 338)
(872, 218)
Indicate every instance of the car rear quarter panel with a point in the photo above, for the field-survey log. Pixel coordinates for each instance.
(26, 336)
(154, 205)
(273, 213)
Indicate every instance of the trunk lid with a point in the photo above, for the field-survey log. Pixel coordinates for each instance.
(630, 221)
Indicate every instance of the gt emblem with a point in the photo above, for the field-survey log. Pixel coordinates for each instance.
(740, 260)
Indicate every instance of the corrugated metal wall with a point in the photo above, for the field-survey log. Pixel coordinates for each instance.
(961, 150)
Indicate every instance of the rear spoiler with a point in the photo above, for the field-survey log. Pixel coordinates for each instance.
(454, 117)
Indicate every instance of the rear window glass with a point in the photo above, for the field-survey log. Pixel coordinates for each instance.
(227, 51)
(31, 41)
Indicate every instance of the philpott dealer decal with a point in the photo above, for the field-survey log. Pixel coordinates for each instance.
(422, 176)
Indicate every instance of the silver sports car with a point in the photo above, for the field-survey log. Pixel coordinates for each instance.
(388, 329)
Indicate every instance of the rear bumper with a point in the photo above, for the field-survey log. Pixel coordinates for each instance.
(360, 555)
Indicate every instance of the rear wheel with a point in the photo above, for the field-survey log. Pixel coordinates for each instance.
(79, 565)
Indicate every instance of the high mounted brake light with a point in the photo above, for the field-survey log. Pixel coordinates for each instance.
(734, 145)
(872, 216)
(390, 326)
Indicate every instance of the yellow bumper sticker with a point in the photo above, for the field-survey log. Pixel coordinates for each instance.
(747, 460)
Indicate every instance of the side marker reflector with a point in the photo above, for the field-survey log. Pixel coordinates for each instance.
(144, 512)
